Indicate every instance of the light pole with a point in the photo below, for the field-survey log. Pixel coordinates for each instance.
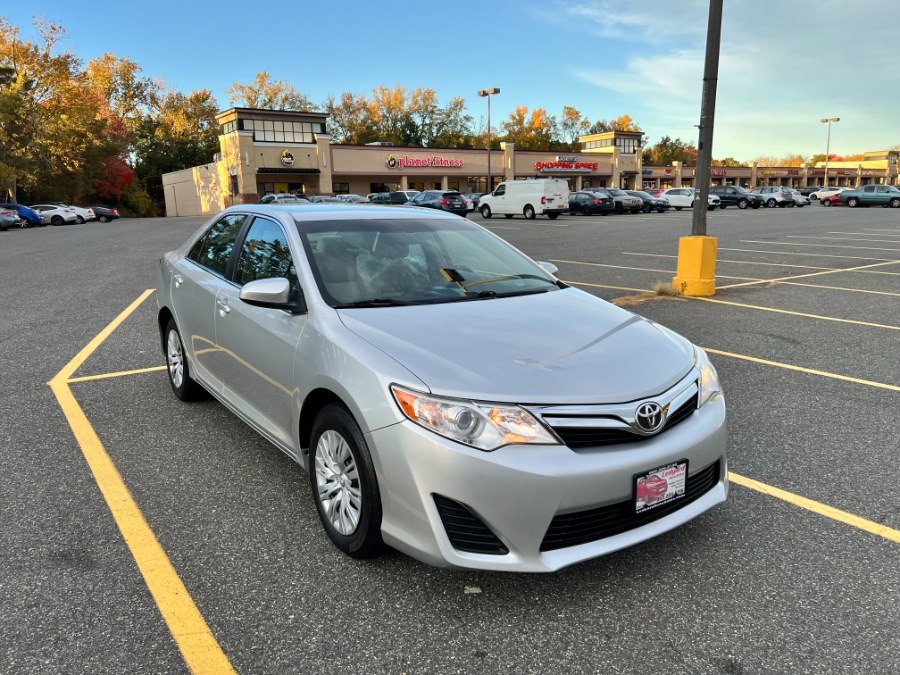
(828, 120)
(487, 93)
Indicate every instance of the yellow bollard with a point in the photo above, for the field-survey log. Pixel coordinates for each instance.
(696, 266)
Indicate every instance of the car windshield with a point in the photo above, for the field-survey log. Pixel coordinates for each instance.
(383, 263)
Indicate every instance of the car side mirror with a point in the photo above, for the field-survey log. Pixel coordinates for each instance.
(275, 294)
(548, 267)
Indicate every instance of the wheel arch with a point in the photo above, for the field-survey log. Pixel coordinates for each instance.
(162, 320)
(312, 405)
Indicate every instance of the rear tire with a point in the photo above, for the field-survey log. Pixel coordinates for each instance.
(585, 210)
(56, 220)
(646, 208)
(853, 202)
(485, 212)
(771, 203)
(344, 485)
(826, 202)
(102, 219)
(743, 204)
(678, 208)
(79, 220)
(895, 203)
(528, 212)
(552, 216)
(178, 368)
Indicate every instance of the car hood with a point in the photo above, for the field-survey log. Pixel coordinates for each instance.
(565, 347)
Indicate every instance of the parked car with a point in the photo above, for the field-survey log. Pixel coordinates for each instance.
(589, 203)
(623, 201)
(379, 197)
(105, 214)
(833, 198)
(530, 198)
(774, 195)
(27, 217)
(871, 195)
(445, 389)
(353, 199)
(9, 218)
(444, 200)
(807, 191)
(82, 215)
(826, 192)
(650, 203)
(800, 200)
(325, 199)
(735, 195)
(684, 198)
(474, 197)
(55, 214)
(283, 198)
(401, 196)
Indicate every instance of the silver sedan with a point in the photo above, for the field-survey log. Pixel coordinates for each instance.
(448, 396)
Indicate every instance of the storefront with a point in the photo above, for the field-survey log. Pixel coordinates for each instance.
(268, 151)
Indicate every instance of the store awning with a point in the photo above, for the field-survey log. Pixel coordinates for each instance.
(280, 169)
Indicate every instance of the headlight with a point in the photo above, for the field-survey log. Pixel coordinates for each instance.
(709, 378)
(486, 426)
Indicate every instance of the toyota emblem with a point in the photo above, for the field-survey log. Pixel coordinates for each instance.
(650, 417)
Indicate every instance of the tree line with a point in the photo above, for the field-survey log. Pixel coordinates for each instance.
(105, 131)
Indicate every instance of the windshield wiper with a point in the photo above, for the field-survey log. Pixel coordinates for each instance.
(373, 302)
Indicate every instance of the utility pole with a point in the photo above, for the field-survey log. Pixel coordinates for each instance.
(707, 117)
(487, 93)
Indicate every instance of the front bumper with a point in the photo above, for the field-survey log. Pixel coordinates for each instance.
(517, 491)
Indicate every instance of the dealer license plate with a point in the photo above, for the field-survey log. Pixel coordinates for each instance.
(659, 486)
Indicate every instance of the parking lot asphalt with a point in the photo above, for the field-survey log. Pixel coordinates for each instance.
(801, 582)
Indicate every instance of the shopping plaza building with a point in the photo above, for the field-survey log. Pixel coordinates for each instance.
(268, 151)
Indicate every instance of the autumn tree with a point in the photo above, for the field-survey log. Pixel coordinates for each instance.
(572, 126)
(668, 150)
(529, 131)
(268, 94)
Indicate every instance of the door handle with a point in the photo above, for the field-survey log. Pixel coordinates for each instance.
(223, 307)
(178, 280)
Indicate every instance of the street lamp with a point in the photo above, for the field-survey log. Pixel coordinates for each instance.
(828, 120)
(487, 93)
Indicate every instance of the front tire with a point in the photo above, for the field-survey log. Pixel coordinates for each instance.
(485, 212)
(344, 485)
(178, 368)
(895, 203)
(102, 219)
(678, 208)
(528, 212)
(826, 202)
(57, 220)
(743, 204)
(646, 208)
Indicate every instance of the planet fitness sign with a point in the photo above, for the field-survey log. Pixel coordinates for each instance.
(433, 162)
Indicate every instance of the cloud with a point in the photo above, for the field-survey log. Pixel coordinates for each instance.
(782, 67)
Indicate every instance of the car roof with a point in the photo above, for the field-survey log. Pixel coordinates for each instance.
(331, 211)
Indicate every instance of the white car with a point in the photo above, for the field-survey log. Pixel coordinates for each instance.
(800, 199)
(82, 215)
(55, 214)
(530, 198)
(683, 198)
(826, 192)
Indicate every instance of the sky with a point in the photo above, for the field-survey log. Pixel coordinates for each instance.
(784, 64)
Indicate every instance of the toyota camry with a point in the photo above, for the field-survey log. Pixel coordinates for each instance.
(448, 396)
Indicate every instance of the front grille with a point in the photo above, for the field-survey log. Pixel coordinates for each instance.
(587, 437)
(572, 529)
(465, 530)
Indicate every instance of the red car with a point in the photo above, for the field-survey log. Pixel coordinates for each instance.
(832, 200)
(651, 488)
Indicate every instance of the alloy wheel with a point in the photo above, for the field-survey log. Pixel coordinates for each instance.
(175, 359)
(337, 482)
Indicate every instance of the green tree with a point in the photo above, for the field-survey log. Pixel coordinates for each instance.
(268, 94)
(669, 150)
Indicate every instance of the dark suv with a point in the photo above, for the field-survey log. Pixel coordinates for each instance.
(445, 200)
(735, 195)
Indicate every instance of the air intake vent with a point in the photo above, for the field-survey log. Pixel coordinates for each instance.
(465, 530)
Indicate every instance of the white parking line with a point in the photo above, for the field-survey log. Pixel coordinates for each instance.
(791, 243)
(807, 255)
(877, 241)
(868, 234)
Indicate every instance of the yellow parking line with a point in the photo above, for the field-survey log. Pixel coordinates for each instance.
(803, 314)
(615, 288)
(817, 507)
(88, 378)
(800, 369)
(791, 243)
(199, 648)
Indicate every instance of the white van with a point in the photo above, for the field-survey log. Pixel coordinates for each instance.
(530, 198)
